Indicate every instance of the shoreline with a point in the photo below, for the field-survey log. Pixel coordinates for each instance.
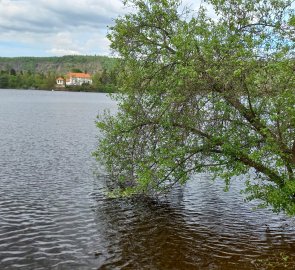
(57, 90)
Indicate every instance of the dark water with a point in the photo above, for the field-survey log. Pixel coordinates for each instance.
(53, 214)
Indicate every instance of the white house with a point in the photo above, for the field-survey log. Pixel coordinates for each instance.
(78, 78)
(60, 82)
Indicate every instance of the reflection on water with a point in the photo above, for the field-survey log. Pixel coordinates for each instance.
(199, 228)
(53, 214)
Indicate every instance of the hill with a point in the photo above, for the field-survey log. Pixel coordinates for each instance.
(41, 72)
(57, 65)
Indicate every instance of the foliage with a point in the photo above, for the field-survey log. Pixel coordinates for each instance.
(76, 70)
(41, 72)
(3, 81)
(204, 95)
(58, 64)
(26, 80)
(279, 261)
(106, 81)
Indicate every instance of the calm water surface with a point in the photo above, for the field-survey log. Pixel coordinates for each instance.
(53, 214)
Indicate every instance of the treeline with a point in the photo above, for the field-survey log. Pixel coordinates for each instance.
(60, 65)
(26, 80)
(103, 81)
(41, 73)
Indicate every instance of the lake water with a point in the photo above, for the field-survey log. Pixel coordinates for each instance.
(54, 215)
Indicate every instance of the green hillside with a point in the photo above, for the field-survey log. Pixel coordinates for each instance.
(59, 65)
(41, 72)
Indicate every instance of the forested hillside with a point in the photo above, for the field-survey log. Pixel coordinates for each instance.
(41, 72)
(91, 64)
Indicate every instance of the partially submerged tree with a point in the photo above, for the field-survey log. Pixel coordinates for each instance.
(204, 95)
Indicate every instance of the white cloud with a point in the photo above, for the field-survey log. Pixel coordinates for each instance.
(51, 15)
(59, 27)
(61, 52)
(63, 44)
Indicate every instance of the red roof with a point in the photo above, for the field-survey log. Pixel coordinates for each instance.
(78, 75)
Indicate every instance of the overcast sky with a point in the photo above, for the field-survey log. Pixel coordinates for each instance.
(58, 27)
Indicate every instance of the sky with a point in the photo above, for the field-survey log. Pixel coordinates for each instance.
(58, 27)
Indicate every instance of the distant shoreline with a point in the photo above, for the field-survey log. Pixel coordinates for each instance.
(55, 90)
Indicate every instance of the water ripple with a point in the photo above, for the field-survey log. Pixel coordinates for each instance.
(54, 215)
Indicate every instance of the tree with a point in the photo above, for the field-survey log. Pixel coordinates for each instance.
(50, 80)
(96, 80)
(4, 83)
(12, 72)
(76, 70)
(204, 95)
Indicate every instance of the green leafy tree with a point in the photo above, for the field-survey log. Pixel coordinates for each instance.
(96, 79)
(4, 81)
(13, 81)
(204, 95)
(12, 72)
(50, 81)
(76, 70)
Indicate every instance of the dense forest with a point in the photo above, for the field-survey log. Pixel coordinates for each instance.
(41, 72)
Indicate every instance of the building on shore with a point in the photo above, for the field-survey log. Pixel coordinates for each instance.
(60, 82)
(78, 78)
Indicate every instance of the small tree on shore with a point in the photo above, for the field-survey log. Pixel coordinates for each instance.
(204, 95)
